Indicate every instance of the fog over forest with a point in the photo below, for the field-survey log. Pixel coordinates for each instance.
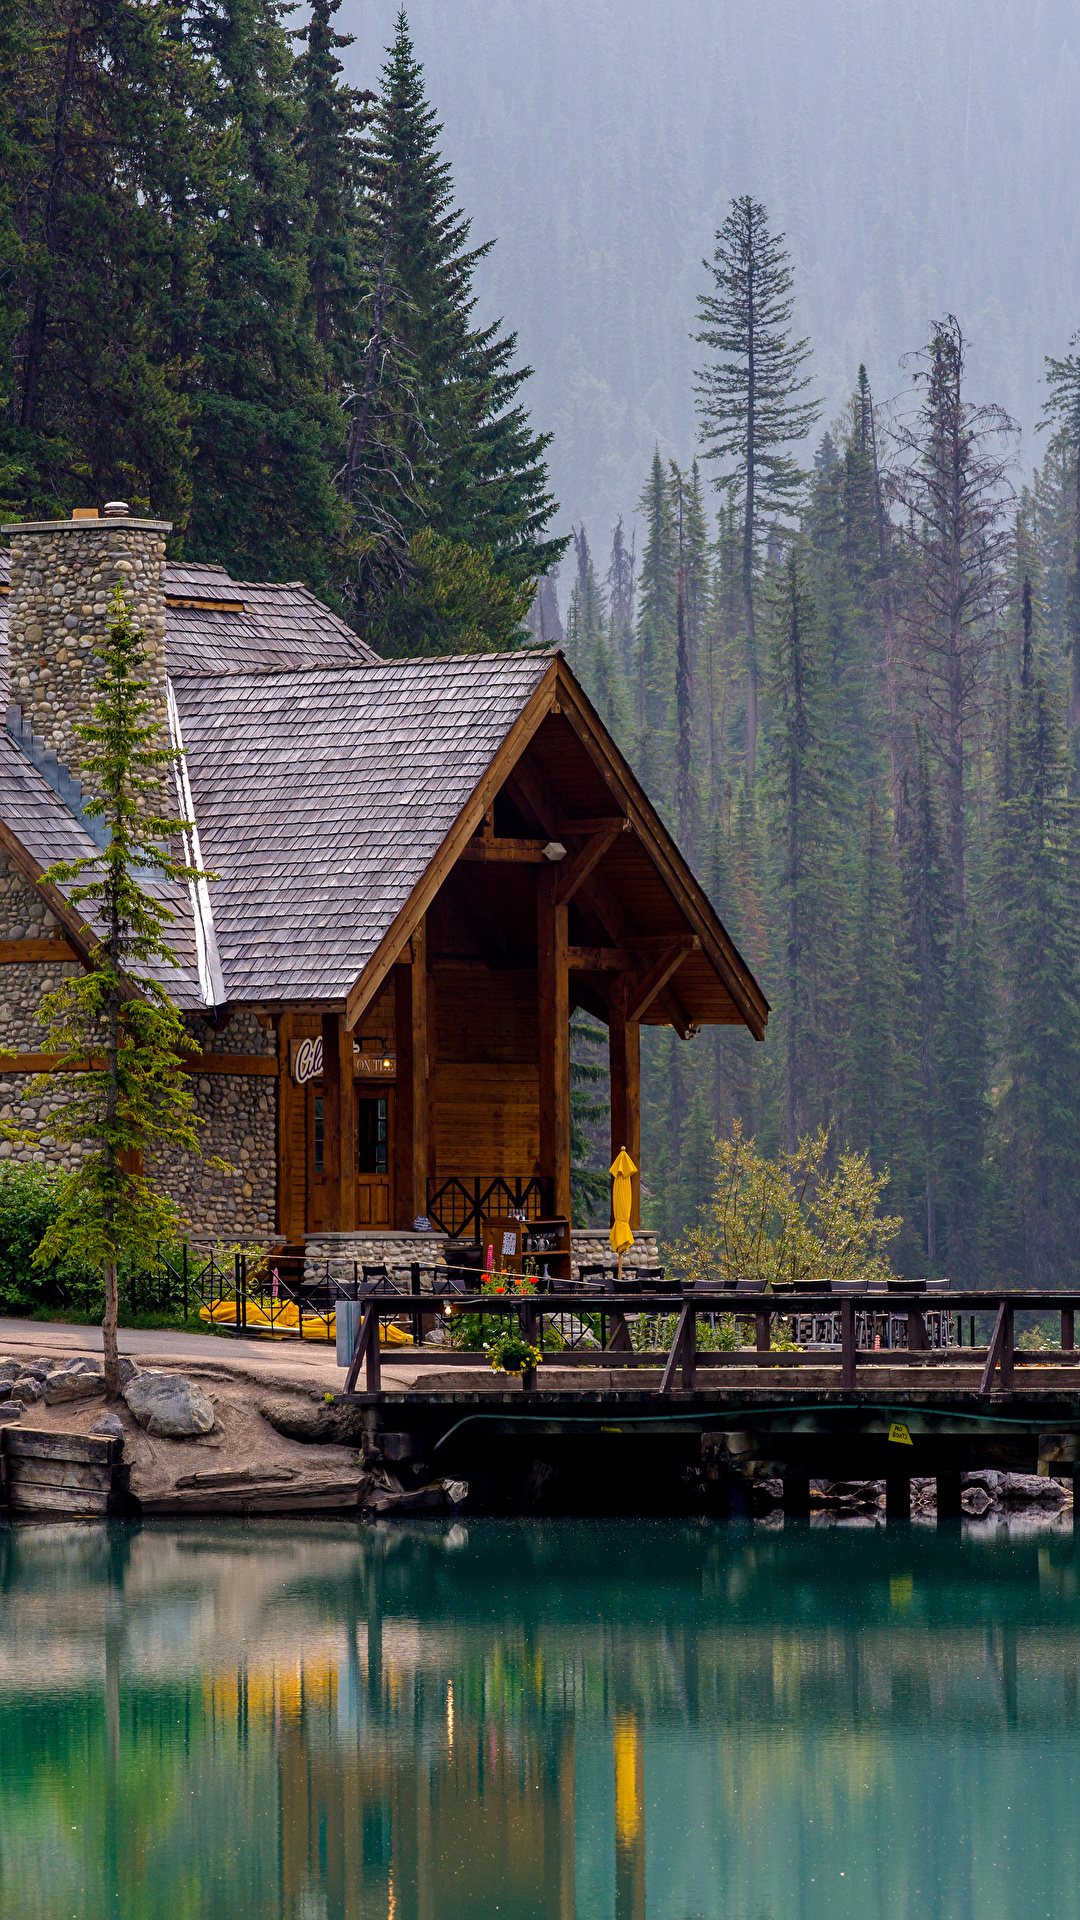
(919, 159)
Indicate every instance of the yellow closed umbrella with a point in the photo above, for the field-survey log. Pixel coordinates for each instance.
(622, 1199)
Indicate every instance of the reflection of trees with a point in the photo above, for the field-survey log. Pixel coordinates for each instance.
(374, 1713)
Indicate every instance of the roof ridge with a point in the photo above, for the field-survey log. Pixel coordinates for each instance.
(366, 666)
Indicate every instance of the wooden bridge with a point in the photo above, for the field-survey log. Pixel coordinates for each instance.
(603, 1419)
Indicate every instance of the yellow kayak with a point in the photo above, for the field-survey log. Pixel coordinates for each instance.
(286, 1320)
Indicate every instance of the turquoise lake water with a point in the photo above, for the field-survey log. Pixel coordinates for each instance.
(541, 1721)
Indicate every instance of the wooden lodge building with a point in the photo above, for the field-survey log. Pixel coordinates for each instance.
(421, 869)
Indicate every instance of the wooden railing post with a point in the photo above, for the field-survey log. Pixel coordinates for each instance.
(1068, 1329)
(1000, 1354)
(683, 1350)
(763, 1332)
(847, 1343)
(367, 1347)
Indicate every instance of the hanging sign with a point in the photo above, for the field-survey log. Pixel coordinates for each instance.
(306, 1062)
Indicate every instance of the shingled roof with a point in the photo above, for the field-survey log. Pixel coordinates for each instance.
(321, 799)
(38, 830)
(333, 792)
(216, 625)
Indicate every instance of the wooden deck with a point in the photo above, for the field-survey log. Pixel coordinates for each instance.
(843, 1414)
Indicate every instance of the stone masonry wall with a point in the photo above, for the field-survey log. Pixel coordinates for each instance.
(24, 916)
(62, 576)
(239, 1115)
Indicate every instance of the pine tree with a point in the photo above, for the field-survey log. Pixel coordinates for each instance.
(264, 500)
(466, 466)
(141, 1097)
(1036, 895)
(951, 490)
(654, 639)
(926, 890)
(1063, 409)
(104, 151)
(748, 395)
(883, 1039)
(805, 799)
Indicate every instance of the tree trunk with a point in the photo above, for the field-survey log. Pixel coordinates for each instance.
(748, 533)
(109, 1344)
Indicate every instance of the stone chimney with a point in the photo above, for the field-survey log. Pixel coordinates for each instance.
(62, 577)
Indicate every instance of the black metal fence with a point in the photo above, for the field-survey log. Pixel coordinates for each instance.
(457, 1206)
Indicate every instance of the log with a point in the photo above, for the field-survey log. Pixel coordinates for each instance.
(83, 1502)
(58, 1473)
(31, 1443)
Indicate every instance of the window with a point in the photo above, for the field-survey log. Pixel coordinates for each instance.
(372, 1136)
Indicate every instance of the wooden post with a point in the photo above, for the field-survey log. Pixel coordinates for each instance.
(898, 1496)
(624, 1066)
(333, 1104)
(1068, 1329)
(847, 1343)
(411, 1091)
(796, 1495)
(553, 994)
(286, 1171)
(948, 1496)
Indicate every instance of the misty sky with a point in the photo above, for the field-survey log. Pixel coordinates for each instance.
(920, 157)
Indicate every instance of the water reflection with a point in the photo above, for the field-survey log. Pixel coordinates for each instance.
(601, 1721)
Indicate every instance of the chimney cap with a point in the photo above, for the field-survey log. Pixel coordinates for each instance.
(116, 510)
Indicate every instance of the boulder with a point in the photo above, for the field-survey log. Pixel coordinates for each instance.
(128, 1369)
(78, 1382)
(976, 1501)
(9, 1369)
(315, 1421)
(36, 1369)
(1030, 1489)
(168, 1405)
(9, 1411)
(108, 1427)
(28, 1391)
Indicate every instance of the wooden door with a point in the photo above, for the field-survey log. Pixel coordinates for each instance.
(374, 1158)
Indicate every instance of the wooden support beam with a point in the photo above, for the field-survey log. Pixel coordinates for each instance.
(366, 1348)
(1001, 1350)
(573, 872)
(598, 823)
(333, 1103)
(288, 1173)
(553, 996)
(495, 852)
(411, 1113)
(20, 952)
(647, 988)
(599, 960)
(683, 1351)
(624, 1067)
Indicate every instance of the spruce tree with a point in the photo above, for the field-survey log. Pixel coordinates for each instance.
(136, 1095)
(465, 467)
(264, 501)
(1063, 410)
(1035, 890)
(104, 151)
(749, 395)
(654, 639)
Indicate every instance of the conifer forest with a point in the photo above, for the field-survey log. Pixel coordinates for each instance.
(838, 639)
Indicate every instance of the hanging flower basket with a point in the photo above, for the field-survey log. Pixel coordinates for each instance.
(510, 1353)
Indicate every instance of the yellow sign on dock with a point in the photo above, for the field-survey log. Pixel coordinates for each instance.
(899, 1432)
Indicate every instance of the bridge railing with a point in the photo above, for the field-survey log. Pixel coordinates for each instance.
(762, 1309)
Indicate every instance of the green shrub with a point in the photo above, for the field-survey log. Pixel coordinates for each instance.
(28, 1206)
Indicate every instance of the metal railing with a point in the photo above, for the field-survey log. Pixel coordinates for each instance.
(457, 1206)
